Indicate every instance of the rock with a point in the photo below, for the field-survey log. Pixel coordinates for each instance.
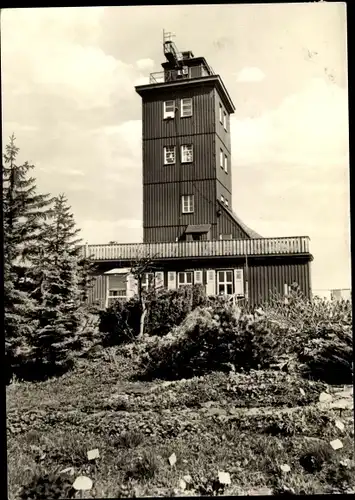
(182, 484)
(324, 397)
(68, 470)
(340, 425)
(302, 391)
(172, 459)
(336, 444)
(93, 454)
(82, 483)
(285, 468)
(187, 479)
(224, 478)
(264, 490)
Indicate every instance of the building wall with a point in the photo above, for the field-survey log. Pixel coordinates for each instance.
(201, 121)
(202, 166)
(162, 207)
(224, 135)
(262, 277)
(226, 225)
(224, 178)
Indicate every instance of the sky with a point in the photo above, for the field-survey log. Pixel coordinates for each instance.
(68, 78)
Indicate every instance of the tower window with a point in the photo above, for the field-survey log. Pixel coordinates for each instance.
(169, 109)
(186, 107)
(186, 153)
(169, 155)
(221, 158)
(222, 198)
(225, 120)
(187, 203)
(226, 202)
(225, 163)
(220, 113)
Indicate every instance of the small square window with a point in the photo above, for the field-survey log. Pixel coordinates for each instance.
(222, 198)
(169, 109)
(220, 113)
(186, 153)
(186, 107)
(169, 155)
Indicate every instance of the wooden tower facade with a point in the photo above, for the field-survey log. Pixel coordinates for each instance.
(187, 174)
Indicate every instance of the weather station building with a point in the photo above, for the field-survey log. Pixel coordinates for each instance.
(189, 227)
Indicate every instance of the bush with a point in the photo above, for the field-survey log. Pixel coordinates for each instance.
(166, 309)
(320, 335)
(211, 339)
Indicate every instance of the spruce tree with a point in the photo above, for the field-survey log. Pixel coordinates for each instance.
(23, 213)
(62, 277)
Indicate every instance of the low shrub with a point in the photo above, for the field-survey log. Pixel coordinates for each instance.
(166, 309)
(320, 335)
(210, 338)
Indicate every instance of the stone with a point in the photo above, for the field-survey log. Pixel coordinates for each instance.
(187, 479)
(264, 490)
(224, 478)
(93, 454)
(285, 468)
(302, 391)
(182, 484)
(336, 444)
(82, 483)
(340, 425)
(172, 459)
(324, 397)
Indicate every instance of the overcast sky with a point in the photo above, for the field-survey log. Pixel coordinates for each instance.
(68, 78)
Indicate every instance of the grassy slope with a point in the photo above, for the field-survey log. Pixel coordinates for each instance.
(247, 425)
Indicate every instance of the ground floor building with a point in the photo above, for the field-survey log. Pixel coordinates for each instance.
(252, 269)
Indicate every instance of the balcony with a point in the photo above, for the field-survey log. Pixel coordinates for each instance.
(176, 75)
(298, 245)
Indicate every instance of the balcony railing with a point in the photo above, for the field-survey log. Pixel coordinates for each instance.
(192, 249)
(175, 75)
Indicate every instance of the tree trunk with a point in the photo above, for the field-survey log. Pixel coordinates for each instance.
(142, 318)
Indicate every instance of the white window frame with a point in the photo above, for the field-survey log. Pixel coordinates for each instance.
(226, 164)
(186, 101)
(186, 150)
(225, 282)
(187, 203)
(226, 202)
(168, 113)
(222, 198)
(220, 113)
(221, 155)
(184, 282)
(225, 120)
(172, 150)
(147, 281)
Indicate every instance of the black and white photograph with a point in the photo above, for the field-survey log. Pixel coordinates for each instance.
(176, 251)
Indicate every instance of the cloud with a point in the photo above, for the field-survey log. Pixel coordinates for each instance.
(97, 231)
(145, 64)
(308, 128)
(250, 74)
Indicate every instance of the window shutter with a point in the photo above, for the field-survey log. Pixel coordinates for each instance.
(171, 280)
(132, 286)
(238, 282)
(211, 282)
(198, 278)
(159, 279)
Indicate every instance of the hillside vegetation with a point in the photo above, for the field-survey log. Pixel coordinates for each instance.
(216, 399)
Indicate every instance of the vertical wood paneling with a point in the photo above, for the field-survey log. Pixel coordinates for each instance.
(226, 225)
(163, 205)
(270, 278)
(223, 134)
(224, 178)
(201, 121)
(97, 293)
(202, 167)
